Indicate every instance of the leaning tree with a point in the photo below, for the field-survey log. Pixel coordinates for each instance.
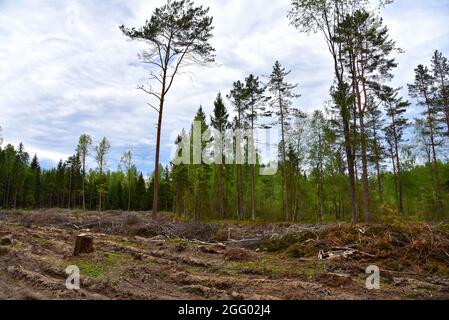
(177, 36)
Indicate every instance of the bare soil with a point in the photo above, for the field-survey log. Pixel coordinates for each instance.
(137, 257)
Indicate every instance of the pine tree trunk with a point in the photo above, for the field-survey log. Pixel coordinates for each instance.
(284, 160)
(365, 178)
(378, 168)
(398, 169)
(436, 175)
(395, 174)
(361, 113)
(253, 171)
(239, 168)
(156, 164)
(379, 181)
(129, 191)
(70, 190)
(241, 212)
(351, 172)
(99, 201)
(220, 192)
(445, 102)
(446, 112)
(84, 180)
(253, 192)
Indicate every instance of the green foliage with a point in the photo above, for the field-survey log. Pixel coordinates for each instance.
(362, 133)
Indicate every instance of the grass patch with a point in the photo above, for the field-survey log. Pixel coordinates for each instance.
(107, 268)
(17, 245)
(39, 240)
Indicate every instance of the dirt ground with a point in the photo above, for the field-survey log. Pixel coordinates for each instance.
(138, 258)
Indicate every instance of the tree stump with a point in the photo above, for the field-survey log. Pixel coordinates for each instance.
(84, 244)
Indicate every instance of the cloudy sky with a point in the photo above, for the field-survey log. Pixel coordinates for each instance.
(66, 69)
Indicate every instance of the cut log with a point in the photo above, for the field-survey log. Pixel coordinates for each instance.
(246, 243)
(84, 244)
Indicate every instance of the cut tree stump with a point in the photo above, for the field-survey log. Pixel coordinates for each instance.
(84, 244)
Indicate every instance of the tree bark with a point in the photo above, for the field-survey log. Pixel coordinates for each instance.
(156, 164)
(129, 190)
(434, 156)
(336, 53)
(284, 160)
(84, 244)
(361, 110)
(84, 182)
(221, 192)
(253, 172)
(378, 168)
(398, 169)
(239, 168)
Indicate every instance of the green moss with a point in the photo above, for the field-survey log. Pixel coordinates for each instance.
(15, 226)
(39, 240)
(89, 269)
(107, 268)
(17, 245)
(313, 268)
(416, 293)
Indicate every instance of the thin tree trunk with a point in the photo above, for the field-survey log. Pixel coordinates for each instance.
(284, 160)
(398, 169)
(99, 202)
(220, 192)
(366, 191)
(434, 154)
(395, 175)
(239, 168)
(361, 111)
(351, 173)
(84, 178)
(156, 164)
(379, 181)
(446, 112)
(129, 191)
(339, 73)
(445, 102)
(158, 137)
(378, 168)
(70, 190)
(253, 173)
(240, 208)
(253, 192)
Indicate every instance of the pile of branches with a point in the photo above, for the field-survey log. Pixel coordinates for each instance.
(174, 230)
(410, 246)
(47, 217)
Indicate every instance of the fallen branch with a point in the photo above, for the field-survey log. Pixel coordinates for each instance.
(350, 248)
(245, 243)
(207, 243)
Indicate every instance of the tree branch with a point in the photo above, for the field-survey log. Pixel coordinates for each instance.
(156, 109)
(149, 92)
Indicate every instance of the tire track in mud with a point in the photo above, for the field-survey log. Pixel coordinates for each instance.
(34, 268)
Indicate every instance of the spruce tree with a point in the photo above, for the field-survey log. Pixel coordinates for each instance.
(237, 98)
(220, 122)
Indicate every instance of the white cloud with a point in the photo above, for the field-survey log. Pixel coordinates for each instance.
(66, 69)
